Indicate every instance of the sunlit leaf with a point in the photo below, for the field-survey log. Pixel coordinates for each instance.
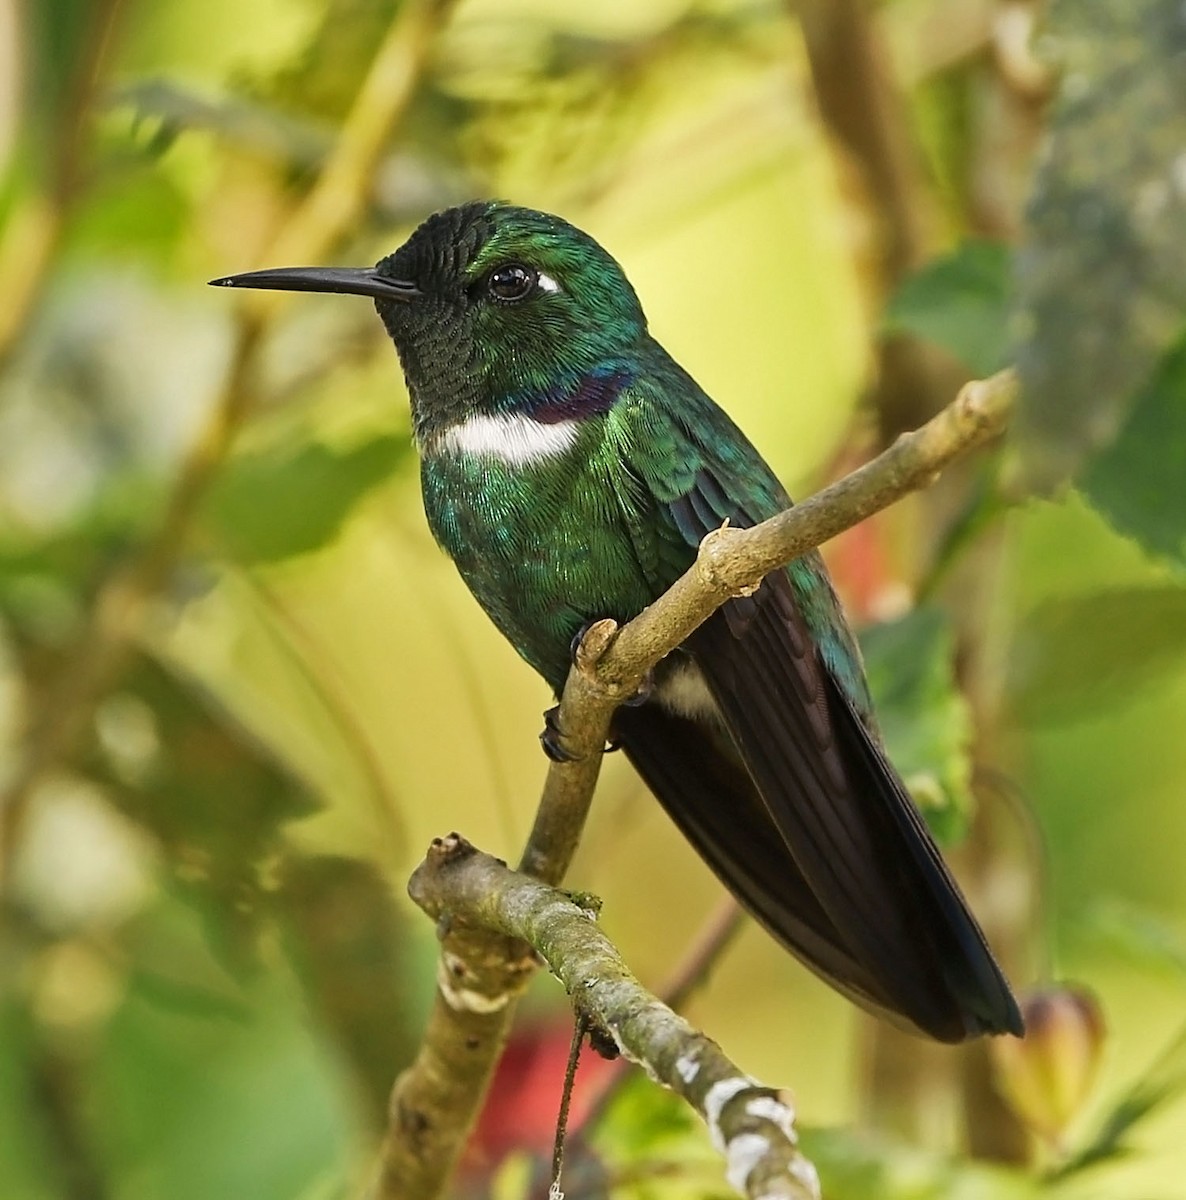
(961, 302)
(281, 503)
(1102, 273)
(923, 716)
(1076, 655)
(1138, 481)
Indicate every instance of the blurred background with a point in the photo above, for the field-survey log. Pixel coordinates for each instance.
(241, 690)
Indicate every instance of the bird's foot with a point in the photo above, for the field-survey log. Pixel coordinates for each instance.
(644, 689)
(552, 738)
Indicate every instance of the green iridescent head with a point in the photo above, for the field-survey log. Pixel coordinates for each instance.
(487, 304)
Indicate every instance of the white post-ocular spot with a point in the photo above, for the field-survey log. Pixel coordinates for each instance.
(546, 283)
(511, 438)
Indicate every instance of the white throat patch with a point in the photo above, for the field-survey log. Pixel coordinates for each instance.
(511, 438)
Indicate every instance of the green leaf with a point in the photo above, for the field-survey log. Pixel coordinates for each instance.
(1164, 1082)
(853, 1166)
(191, 1102)
(1147, 936)
(1139, 482)
(961, 302)
(28, 1169)
(356, 958)
(1077, 655)
(923, 715)
(180, 765)
(131, 214)
(1102, 271)
(280, 503)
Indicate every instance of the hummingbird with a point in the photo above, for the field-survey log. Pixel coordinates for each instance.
(570, 468)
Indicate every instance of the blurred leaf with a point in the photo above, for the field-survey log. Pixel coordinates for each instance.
(351, 947)
(172, 963)
(180, 765)
(243, 124)
(1163, 1083)
(1147, 936)
(1102, 273)
(280, 503)
(1076, 655)
(1138, 481)
(644, 1119)
(961, 302)
(131, 213)
(188, 1104)
(923, 715)
(649, 1144)
(855, 1167)
(324, 80)
(28, 1168)
(59, 42)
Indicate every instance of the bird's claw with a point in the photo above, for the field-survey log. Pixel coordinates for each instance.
(552, 738)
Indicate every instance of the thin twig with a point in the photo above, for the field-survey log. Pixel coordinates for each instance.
(436, 1100)
(724, 923)
(579, 1029)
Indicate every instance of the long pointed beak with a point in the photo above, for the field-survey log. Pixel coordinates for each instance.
(351, 281)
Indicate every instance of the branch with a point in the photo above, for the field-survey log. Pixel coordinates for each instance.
(753, 1126)
(432, 1109)
(714, 938)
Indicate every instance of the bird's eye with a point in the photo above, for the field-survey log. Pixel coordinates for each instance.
(512, 282)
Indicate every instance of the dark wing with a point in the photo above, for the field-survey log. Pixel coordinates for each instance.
(825, 848)
(712, 799)
(845, 817)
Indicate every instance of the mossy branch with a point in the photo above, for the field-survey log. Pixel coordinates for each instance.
(437, 1099)
(753, 1126)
